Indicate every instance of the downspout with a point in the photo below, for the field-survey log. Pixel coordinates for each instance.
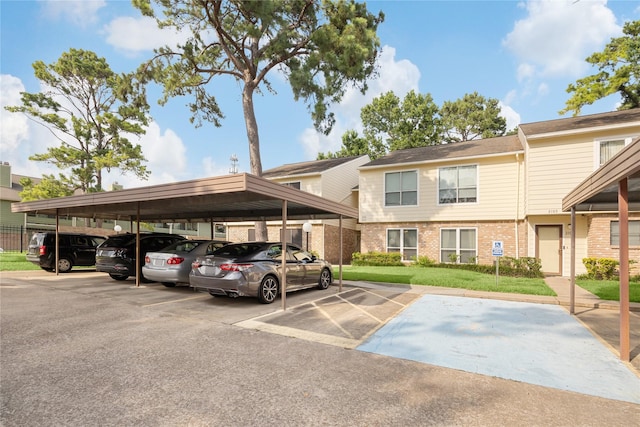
(515, 224)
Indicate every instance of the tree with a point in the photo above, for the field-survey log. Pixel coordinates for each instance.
(48, 188)
(390, 124)
(352, 145)
(470, 117)
(90, 110)
(618, 71)
(322, 47)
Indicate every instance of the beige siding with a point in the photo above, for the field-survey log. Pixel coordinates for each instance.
(338, 183)
(555, 166)
(500, 193)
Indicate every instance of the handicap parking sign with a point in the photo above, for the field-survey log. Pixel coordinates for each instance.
(497, 249)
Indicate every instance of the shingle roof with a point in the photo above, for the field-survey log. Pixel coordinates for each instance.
(303, 168)
(588, 121)
(475, 148)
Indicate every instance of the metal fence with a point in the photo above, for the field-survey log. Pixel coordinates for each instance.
(16, 237)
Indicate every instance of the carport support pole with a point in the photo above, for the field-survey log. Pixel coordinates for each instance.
(572, 285)
(57, 257)
(623, 213)
(340, 267)
(138, 272)
(283, 285)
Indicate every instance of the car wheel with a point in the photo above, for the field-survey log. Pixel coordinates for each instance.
(64, 265)
(268, 290)
(118, 276)
(169, 284)
(325, 279)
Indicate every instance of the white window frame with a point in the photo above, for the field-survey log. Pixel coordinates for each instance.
(458, 249)
(402, 246)
(457, 202)
(598, 142)
(384, 192)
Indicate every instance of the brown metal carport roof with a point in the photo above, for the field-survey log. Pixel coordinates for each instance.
(615, 186)
(239, 197)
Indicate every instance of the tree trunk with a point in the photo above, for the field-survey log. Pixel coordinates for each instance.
(254, 146)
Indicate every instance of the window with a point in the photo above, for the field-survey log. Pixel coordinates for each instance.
(401, 188)
(295, 184)
(458, 245)
(403, 240)
(608, 149)
(458, 184)
(634, 233)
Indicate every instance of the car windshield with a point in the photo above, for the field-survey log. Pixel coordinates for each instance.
(37, 239)
(237, 250)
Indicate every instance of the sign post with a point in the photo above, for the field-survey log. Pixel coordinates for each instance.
(497, 251)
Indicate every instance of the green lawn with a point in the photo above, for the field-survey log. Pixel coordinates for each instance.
(15, 261)
(445, 277)
(609, 289)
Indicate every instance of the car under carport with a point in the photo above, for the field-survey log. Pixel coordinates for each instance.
(237, 197)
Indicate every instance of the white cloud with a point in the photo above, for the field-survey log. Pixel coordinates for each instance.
(81, 13)
(210, 168)
(13, 126)
(20, 136)
(140, 34)
(399, 76)
(556, 36)
(513, 118)
(166, 159)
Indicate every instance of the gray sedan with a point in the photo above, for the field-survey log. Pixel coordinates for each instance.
(171, 266)
(254, 269)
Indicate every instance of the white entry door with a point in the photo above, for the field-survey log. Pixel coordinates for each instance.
(549, 248)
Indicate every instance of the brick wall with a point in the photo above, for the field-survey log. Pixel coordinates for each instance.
(374, 237)
(599, 240)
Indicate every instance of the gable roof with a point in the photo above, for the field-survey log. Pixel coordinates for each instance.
(459, 150)
(306, 168)
(582, 123)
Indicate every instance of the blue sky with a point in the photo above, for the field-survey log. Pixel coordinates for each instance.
(523, 53)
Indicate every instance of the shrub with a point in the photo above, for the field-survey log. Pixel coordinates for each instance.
(377, 259)
(601, 268)
(515, 267)
(424, 261)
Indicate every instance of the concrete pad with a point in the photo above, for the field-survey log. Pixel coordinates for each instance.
(533, 343)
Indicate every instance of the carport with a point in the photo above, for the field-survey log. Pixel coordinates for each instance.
(237, 198)
(613, 187)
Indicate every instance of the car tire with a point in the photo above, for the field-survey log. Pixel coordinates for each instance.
(325, 279)
(268, 290)
(118, 276)
(169, 284)
(64, 265)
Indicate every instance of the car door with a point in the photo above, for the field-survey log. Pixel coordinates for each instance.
(295, 270)
(308, 263)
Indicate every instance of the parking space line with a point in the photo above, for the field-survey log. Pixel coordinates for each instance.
(325, 314)
(176, 300)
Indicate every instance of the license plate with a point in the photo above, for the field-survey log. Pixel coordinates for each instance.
(157, 262)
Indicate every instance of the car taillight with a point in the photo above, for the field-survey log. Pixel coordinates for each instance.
(235, 267)
(175, 260)
(195, 264)
(147, 260)
(43, 250)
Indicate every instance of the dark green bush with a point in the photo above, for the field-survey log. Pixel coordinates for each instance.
(601, 268)
(377, 259)
(513, 267)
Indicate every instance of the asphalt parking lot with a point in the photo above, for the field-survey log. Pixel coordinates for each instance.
(81, 349)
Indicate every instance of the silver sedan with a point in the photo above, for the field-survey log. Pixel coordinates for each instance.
(254, 269)
(171, 266)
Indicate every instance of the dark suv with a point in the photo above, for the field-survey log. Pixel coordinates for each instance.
(117, 254)
(74, 249)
